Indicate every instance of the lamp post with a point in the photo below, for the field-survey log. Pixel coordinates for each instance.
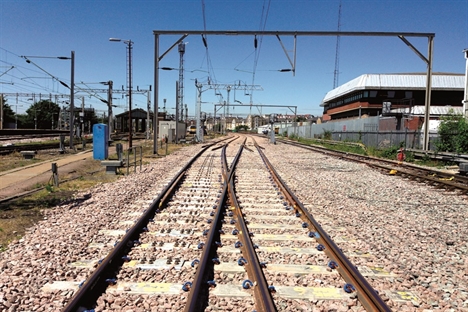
(129, 44)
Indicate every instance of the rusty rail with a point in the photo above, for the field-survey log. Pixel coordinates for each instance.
(452, 181)
(262, 297)
(365, 292)
(199, 291)
(106, 272)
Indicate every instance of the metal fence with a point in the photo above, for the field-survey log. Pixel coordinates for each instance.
(382, 139)
(365, 131)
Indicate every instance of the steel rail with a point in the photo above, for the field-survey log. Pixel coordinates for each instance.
(365, 292)
(224, 144)
(97, 282)
(199, 291)
(27, 147)
(424, 176)
(262, 296)
(452, 180)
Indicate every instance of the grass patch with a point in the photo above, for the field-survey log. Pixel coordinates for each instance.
(387, 153)
(347, 147)
(18, 215)
(16, 160)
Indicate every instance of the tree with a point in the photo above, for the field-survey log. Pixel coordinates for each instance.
(242, 128)
(42, 114)
(453, 134)
(300, 118)
(8, 113)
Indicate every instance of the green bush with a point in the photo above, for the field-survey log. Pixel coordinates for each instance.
(293, 136)
(327, 135)
(390, 152)
(453, 134)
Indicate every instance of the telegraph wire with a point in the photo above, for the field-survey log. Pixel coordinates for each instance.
(257, 45)
(209, 64)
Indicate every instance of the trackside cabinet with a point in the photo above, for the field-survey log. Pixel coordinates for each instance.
(100, 141)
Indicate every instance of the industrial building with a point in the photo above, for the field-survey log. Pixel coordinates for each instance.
(394, 95)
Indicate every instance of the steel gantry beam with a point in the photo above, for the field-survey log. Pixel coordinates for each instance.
(295, 34)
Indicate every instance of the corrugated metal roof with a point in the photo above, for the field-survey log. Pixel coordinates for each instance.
(434, 110)
(454, 82)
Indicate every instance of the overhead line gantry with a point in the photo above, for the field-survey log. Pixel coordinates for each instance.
(401, 35)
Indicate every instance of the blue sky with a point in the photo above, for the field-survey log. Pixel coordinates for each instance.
(54, 28)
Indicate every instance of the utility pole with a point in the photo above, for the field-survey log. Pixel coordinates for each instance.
(110, 84)
(1, 111)
(82, 117)
(16, 111)
(177, 112)
(228, 88)
(337, 52)
(465, 99)
(148, 104)
(129, 44)
(129, 87)
(72, 98)
(198, 109)
(180, 89)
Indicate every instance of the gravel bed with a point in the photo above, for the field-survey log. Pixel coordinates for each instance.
(45, 252)
(412, 230)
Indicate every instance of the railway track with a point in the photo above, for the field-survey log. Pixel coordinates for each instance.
(225, 233)
(436, 178)
(5, 150)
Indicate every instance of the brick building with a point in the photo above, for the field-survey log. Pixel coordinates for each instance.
(398, 95)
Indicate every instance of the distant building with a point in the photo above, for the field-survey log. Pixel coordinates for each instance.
(397, 95)
(139, 117)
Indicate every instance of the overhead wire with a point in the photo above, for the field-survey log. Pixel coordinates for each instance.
(24, 80)
(27, 79)
(209, 65)
(258, 45)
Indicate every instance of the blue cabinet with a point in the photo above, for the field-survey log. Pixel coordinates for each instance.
(100, 141)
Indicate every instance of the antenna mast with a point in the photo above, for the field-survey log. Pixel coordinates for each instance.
(337, 52)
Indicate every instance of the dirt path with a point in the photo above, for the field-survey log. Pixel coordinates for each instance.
(20, 180)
